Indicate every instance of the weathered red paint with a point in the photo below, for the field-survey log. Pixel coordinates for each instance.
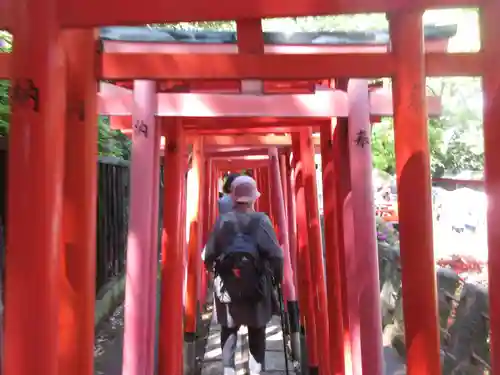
(414, 196)
(35, 190)
(171, 336)
(305, 283)
(332, 256)
(491, 89)
(79, 206)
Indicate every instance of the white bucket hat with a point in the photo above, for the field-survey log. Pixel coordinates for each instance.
(244, 190)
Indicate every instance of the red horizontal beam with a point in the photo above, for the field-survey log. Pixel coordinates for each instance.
(118, 46)
(323, 104)
(234, 86)
(248, 130)
(129, 66)
(282, 67)
(88, 13)
(236, 142)
(241, 156)
(239, 164)
(5, 14)
(381, 104)
(244, 124)
(237, 154)
(230, 126)
(216, 149)
(248, 140)
(231, 143)
(116, 66)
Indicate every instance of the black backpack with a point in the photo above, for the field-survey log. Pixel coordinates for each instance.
(240, 268)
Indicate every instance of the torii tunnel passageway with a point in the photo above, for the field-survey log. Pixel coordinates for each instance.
(220, 102)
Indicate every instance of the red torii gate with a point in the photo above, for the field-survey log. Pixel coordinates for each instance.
(36, 158)
(215, 105)
(211, 108)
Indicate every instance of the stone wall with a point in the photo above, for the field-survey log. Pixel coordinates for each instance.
(463, 316)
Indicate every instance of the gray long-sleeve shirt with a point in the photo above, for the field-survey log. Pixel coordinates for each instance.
(266, 239)
(225, 204)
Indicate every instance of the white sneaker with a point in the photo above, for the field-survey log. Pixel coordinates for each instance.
(255, 368)
(229, 371)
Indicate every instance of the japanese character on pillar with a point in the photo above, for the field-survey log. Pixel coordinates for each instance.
(362, 138)
(25, 92)
(141, 128)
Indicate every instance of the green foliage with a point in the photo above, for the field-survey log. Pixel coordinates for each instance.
(455, 139)
(4, 107)
(384, 157)
(6, 44)
(112, 142)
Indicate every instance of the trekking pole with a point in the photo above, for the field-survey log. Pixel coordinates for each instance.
(282, 316)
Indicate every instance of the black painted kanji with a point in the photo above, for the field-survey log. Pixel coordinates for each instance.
(25, 92)
(362, 139)
(141, 128)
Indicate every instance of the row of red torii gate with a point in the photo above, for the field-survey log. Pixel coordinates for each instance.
(256, 107)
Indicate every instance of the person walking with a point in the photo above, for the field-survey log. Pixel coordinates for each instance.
(247, 261)
(226, 202)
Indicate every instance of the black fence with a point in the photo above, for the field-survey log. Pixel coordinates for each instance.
(112, 219)
(112, 216)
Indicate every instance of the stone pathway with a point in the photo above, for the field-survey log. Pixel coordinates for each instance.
(109, 344)
(275, 358)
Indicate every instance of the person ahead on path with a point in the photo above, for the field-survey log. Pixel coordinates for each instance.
(226, 202)
(245, 255)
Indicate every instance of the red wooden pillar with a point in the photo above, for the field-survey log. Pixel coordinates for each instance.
(206, 195)
(194, 215)
(278, 202)
(332, 256)
(343, 188)
(264, 190)
(184, 226)
(282, 168)
(414, 195)
(260, 183)
(155, 222)
(291, 213)
(142, 254)
(272, 211)
(79, 207)
(211, 195)
(257, 178)
(315, 247)
(491, 88)
(364, 272)
(305, 283)
(35, 188)
(205, 203)
(215, 194)
(171, 336)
